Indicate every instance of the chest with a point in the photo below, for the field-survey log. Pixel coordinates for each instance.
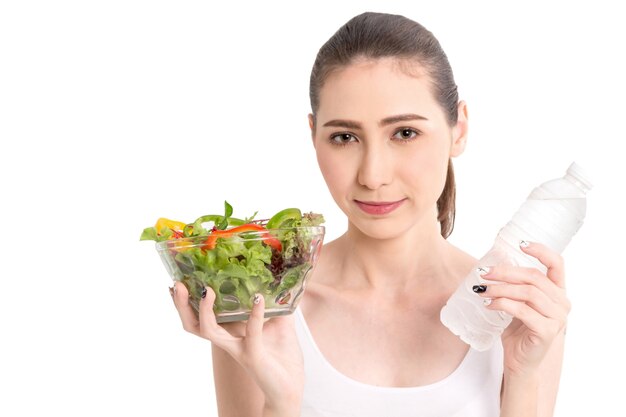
(397, 347)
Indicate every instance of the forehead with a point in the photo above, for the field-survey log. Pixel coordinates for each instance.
(377, 88)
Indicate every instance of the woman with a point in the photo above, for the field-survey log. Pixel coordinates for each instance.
(366, 339)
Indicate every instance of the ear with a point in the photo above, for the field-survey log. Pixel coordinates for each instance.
(312, 127)
(459, 131)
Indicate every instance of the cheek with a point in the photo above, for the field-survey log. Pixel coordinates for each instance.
(334, 170)
(426, 170)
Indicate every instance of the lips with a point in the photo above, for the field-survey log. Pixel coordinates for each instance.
(379, 207)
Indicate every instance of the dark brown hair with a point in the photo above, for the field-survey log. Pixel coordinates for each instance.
(379, 35)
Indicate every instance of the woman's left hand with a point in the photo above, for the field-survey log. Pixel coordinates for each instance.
(538, 303)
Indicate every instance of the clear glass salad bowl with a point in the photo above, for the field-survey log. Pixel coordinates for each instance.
(237, 265)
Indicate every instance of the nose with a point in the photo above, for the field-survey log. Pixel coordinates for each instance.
(376, 167)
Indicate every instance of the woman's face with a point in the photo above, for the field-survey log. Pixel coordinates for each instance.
(383, 145)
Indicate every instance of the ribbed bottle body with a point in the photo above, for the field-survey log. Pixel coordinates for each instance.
(552, 214)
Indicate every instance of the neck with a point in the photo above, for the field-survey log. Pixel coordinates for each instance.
(420, 257)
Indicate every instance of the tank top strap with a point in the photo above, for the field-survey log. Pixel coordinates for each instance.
(473, 389)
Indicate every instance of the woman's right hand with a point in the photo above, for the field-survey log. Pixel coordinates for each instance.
(268, 350)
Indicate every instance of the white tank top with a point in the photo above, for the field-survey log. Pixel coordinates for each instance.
(472, 390)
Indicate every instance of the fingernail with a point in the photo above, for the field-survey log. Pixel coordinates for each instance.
(203, 292)
(483, 270)
(257, 298)
(524, 243)
(174, 288)
(479, 288)
(172, 291)
(487, 301)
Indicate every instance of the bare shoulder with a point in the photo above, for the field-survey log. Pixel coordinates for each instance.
(320, 290)
(327, 263)
(461, 261)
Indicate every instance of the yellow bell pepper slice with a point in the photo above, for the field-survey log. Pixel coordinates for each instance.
(173, 225)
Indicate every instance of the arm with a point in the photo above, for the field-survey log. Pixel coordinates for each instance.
(533, 342)
(258, 365)
(550, 374)
(238, 395)
(520, 395)
(536, 394)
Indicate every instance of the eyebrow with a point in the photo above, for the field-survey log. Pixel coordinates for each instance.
(350, 124)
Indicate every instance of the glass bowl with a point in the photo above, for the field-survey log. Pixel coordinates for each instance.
(272, 262)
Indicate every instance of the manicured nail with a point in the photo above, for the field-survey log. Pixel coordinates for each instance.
(172, 291)
(174, 288)
(483, 270)
(257, 298)
(203, 292)
(479, 288)
(524, 243)
(487, 301)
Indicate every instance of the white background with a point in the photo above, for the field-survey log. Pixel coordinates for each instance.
(114, 113)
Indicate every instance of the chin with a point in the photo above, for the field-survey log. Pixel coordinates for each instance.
(409, 221)
(381, 228)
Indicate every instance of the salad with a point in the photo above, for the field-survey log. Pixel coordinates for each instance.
(239, 258)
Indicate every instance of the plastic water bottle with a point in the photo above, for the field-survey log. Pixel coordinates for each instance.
(552, 214)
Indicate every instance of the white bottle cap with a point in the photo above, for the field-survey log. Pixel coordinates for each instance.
(579, 175)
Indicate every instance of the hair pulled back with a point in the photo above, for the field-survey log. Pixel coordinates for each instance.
(379, 35)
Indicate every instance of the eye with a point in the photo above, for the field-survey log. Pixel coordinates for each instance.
(406, 134)
(342, 139)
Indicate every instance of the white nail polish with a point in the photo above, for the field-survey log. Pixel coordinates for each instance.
(487, 301)
(257, 299)
(483, 270)
(524, 243)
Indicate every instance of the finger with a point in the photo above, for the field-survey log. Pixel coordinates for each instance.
(548, 257)
(210, 329)
(254, 327)
(529, 294)
(523, 276)
(186, 313)
(536, 322)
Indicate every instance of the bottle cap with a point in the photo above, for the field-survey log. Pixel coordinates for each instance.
(579, 175)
